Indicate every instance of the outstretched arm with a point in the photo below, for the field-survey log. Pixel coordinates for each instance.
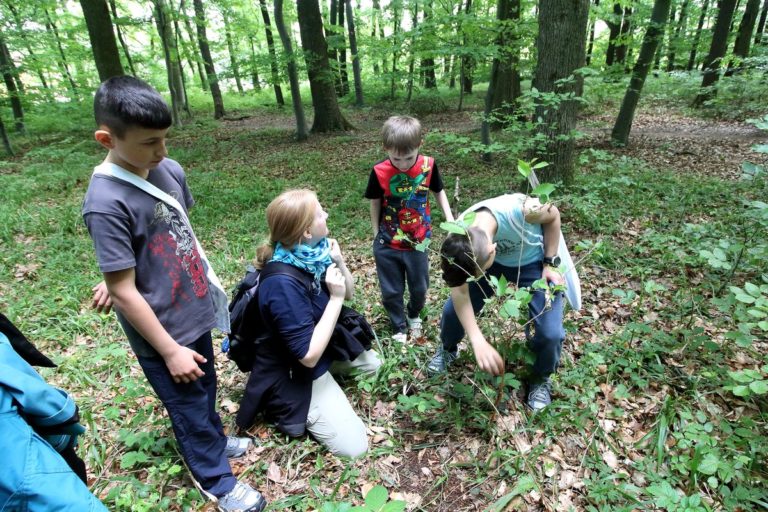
(321, 336)
(442, 200)
(488, 359)
(375, 215)
(549, 217)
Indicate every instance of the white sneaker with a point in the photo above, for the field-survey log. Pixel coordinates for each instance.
(414, 327)
(243, 498)
(400, 337)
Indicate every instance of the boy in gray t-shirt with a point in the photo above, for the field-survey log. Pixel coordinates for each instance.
(155, 276)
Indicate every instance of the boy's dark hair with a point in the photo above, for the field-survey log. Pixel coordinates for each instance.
(463, 256)
(123, 102)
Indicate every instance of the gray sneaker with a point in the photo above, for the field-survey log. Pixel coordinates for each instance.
(539, 395)
(243, 498)
(236, 446)
(440, 362)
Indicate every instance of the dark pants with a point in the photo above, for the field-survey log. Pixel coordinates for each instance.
(394, 269)
(196, 424)
(546, 340)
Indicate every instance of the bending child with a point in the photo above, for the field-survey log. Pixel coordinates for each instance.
(157, 278)
(291, 381)
(515, 236)
(399, 188)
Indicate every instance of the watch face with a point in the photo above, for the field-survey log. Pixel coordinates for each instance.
(556, 261)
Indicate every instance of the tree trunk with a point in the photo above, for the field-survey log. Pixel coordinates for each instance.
(333, 44)
(716, 52)
(761, 23)
(232, 53)
(205, 51)
(670, 23)
(328, 117)
(653, 35)
(674, 39)
(7, 67)
(6, 140)
(744, 35)
(614, 30)
(293, 74)
(467, 61)
(591, 43)
(625, 36)
(254, 68)
(560, 44)
(172, 64)
(35, 61)
(355, 55)
(504, 86)
(428, 63)
(412, 56)
(395, 47)
(113, 8)
(697, 36)
(343, 52)
(192, 39)
(50, 26)
(273, 56)
(103, 44)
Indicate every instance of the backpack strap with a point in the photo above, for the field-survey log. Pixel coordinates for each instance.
(278, 268)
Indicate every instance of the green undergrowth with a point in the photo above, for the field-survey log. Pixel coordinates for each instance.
(659, 404)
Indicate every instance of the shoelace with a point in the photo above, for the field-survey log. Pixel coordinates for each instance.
(538, 393)
(239, 491)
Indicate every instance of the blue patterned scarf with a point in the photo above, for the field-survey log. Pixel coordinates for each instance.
(313, 259)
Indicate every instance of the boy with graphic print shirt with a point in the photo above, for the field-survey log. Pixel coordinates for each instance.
(398, 188)
(157, 278)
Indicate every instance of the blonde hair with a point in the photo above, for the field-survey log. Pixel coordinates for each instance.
(289, 216)
(401, 133)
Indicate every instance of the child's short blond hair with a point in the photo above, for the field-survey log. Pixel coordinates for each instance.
(401, 133)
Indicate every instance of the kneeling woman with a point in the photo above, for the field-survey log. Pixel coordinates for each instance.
(291, 381)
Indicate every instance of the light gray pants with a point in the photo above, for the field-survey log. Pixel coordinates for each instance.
(331, 419)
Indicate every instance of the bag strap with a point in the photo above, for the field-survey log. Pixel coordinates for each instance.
(278, 268)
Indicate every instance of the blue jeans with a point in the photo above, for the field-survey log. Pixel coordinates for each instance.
(394, 269)
(545, 334)
(196, 424)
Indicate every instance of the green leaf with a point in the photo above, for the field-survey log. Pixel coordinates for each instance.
(757, 313)
(394, 506)
(709, 465)
(741, 390)
(752, 289)
(132, 459)
(746, 299)
(512, 308)
(760, 148)
(453, 227)
(759, 387)
(524, 168)
(545, 189)
(376, 497)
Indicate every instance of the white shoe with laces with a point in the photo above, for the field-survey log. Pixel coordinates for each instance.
(400, 337)
(414, 327)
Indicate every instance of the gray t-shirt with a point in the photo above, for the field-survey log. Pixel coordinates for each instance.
(132, 229)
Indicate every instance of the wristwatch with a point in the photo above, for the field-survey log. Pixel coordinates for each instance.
(554, 261)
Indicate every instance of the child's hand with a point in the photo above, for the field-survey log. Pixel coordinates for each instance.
(335, 281)
(182, 364)
(488, 359)
(335, 251)
(552, 275)
(101, 301)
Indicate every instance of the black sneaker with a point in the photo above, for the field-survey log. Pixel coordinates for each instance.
(243, 498)
(440, 362)
(539, 395)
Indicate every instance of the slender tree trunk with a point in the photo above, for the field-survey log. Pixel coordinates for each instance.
(103, 44)
(35, 61)
(293, 74)
(375, 20)
(625, 36)
(412, 56)
(395, 47)
(6, 140)
(716, 52)
(343, 52)
(428, 62)
(355, 55)
(660, 50)
(232, 52)
(273, 56)
(172, 65)
(50, 26)
(614, 30)
(561, 44)
(205, 51)
(744, 35)
(7, 68)
(467, 61)
(113, 8)
(761, 23)
(180, 66)
(328, 117)
(653, 35)
(254, 68)
(193, 44)
(333, 45)
(697, 36)
(674, 39)
(504, 86)
(591, 43)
